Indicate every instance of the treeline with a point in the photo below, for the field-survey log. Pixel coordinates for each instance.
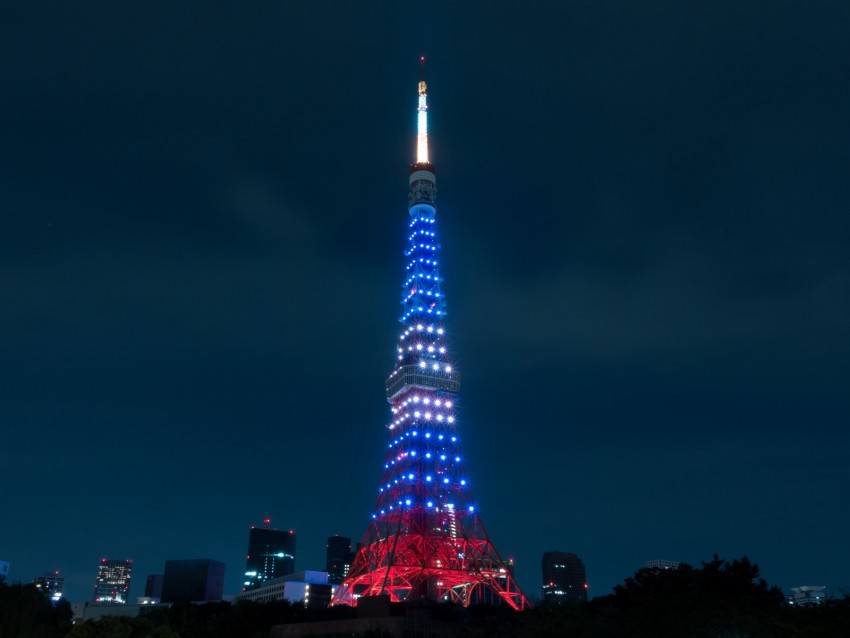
(719, 599)
(26, 612)
(243, 619)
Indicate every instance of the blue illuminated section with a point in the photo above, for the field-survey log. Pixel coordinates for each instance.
(424, 467)
(421, 294)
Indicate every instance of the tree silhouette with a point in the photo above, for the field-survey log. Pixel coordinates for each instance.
(27, 612)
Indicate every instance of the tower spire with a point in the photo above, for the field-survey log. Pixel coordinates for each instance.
(422, 121)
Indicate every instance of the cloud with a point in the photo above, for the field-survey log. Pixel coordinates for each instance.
(685, 297)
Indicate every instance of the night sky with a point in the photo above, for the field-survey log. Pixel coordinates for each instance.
(643, 213)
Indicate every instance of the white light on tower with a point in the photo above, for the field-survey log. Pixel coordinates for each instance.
(422, 124)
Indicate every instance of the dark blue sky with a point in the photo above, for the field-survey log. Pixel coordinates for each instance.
(643, 212)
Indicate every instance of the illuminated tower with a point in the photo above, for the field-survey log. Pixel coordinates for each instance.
(425, 539)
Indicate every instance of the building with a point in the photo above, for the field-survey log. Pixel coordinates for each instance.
(197, 580)
(4, 571)
(112, 585)
(271, 554)
(308, 587)
(661, 564)
(51, 583)
(806, 595)
(338, 559)
(153, 587)
(564, 579)
(426, 539)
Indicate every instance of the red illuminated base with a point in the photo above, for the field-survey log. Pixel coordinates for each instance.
(411, 558)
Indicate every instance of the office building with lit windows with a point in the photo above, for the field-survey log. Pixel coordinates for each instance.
(309, 588)
(51, 583)
(339, 558)
(112, 585)
(271, 554)
(564, 579)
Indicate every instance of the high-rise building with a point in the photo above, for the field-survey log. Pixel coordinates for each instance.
(425, 539)
(112, 585)
(339, 558)
(564, 579)
(193, 580)
(271, 554)
(661, 564)
(51, 583)
(4, 570)
(153, 586)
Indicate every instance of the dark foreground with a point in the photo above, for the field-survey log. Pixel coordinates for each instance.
(718, 600)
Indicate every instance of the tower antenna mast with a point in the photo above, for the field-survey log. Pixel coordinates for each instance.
(422, 117)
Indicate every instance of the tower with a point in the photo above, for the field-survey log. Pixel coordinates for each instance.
(112, 585)
(564, 579)
(425, 539)
(271, 554)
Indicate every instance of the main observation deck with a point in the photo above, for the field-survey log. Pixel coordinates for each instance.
(442, 378)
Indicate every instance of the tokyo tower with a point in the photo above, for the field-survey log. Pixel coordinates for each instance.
(425, 539)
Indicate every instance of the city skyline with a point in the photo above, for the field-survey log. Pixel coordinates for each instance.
(643, 210)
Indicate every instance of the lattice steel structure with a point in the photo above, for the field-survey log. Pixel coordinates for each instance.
(425, 539)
